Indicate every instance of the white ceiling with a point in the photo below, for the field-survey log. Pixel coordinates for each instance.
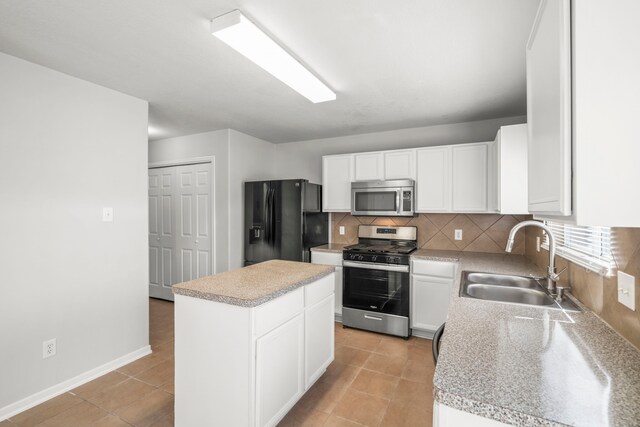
(394, 64)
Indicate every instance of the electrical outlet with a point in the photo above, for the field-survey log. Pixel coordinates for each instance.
(627, 290)
(341, 230)
(48, 348)
(538, 243)
(457, 234)
(107, 214)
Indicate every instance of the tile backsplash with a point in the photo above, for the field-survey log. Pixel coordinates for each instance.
(480, 232)
(598, 293)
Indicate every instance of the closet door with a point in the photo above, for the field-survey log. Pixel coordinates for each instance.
(180, 233)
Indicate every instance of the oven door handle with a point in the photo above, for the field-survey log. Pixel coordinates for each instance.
(370, 266)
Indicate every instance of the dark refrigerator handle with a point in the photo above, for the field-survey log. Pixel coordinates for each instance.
(267, 219)
(272, 206)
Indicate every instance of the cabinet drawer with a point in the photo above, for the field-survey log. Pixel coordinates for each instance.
(319, 290)
(327, 258)
(435, 268)
(274, 313)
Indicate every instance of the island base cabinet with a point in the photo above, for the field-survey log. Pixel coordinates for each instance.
(280, 378)
(446, 416)
(319, 339)
(248, 366)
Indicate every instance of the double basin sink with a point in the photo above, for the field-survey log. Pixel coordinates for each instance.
(510, 289)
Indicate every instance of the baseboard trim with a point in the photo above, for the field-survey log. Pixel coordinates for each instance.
(422, 334)
(60, 388)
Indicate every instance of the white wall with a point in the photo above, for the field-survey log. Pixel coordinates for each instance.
(250, 159)
(67, 149)
(215, 144)
(304, 159)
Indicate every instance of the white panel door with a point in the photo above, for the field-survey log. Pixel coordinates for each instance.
(368, 166)
(549, 109)
(433, 180)
(400, 164)
(337, 174)
(279, 371)
(180, 234)
(162, 273)
(469, 178)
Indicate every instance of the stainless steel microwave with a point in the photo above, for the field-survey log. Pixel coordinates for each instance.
(383, 198)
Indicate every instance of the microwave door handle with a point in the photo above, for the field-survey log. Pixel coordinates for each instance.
(398, 201)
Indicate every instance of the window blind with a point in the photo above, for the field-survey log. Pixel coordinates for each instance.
(587, 246)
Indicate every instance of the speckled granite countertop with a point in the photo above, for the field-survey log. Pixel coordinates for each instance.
(530, 366)
(331, 247)
(254, 285)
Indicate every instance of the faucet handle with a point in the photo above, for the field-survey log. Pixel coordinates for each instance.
(555, 276)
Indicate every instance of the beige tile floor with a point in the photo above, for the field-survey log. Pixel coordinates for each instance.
(375, 380)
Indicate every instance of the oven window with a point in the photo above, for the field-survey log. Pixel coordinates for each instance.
(382, 201)
(376, 290)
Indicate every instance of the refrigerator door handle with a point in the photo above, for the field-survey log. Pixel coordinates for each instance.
(273, 217)
(267, 219)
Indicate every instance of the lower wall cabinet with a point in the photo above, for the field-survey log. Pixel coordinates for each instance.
(335, 259)
(431, 285)
(248, 366)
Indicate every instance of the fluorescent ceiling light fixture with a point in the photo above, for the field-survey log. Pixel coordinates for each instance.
(237, 31)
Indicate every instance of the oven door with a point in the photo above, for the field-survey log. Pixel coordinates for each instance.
(375, 201)
(376, 287)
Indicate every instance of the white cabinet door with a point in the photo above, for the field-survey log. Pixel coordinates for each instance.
(337, 174)
(429, 301)
(433, 179)
(279, 371)
(469, 178)
(549, 109)
(511, 170)
(335, 259)
(319, 339)
(338, 292)
(368, 166)
(400, 164)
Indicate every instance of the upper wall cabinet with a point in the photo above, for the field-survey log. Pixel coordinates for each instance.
(549, 109)
(469, 182)
(400, 164)
(601, 47)
(337, 174)
(368, 166)
(508, 171)
(433, 182)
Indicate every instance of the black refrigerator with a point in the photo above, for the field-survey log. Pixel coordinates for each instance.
(283, 220)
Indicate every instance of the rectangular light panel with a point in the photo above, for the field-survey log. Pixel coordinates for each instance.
(237, 31)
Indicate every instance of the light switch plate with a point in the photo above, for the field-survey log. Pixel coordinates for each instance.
(107, 214)
(341, 230)
(457, 234)
(627, 290)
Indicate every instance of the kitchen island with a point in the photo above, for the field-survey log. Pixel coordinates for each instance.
(507, 364)
(250, 342)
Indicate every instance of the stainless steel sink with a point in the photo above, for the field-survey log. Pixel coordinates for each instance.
(510, 289)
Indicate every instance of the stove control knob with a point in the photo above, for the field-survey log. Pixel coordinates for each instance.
(373, 258)
(360, 257)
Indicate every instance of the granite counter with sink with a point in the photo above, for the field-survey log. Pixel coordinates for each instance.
(532, 366)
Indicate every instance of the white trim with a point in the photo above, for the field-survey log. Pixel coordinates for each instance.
(181, 162)
(422, 334)
(60, 388)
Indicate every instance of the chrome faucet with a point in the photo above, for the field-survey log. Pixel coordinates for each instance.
(552, 276)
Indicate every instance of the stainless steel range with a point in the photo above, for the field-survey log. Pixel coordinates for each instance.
(376, 279)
